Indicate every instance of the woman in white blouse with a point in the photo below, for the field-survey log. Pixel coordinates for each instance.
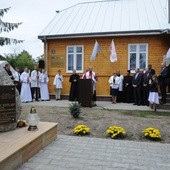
(114, 82)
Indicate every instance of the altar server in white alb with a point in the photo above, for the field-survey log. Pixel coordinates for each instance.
(44, 86)
(35, 84)
(25, 87)
(58, 80)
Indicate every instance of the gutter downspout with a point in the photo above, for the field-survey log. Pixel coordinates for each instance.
(46, 53)
(169, 11)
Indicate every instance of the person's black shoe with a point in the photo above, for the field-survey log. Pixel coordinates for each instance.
(134, 104)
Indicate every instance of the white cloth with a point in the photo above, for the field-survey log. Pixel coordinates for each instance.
(121, 83)
(16, 76)
(44, 86)
(88, 75)
(25, 88)
(34, 80)
(58, 81)
(93, 77)
(153, 97)
(115, 84)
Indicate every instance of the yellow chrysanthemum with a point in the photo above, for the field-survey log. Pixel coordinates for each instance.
(81, 130)
(115, 131)
(152, 133)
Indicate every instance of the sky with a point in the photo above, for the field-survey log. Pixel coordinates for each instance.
(35, 16)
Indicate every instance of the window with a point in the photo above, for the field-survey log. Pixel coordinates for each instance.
(137, 56)
(75, 58)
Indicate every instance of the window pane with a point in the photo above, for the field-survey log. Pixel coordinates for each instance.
(79, 49)
(132, 61)
(132, 48)
(70, 49)
(142, 62)
(142, 48)
(70, 61)
(79, 62)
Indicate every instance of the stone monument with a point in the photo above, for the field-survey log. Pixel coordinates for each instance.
(5, 80)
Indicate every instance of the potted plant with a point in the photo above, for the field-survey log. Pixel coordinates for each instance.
(75, 109)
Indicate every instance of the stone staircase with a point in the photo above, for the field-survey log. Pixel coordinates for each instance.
(167, 105)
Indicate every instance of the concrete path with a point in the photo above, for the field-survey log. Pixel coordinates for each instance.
(83, 153)
(100, 104)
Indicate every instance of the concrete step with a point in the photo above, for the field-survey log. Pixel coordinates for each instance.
(19, 145)
(164, 106)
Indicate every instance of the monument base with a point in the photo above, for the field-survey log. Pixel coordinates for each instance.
(20, 145)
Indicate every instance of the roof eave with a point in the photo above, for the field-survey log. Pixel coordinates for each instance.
(105, 34)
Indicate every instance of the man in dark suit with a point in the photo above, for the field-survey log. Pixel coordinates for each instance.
(145, 83)
(136, 83)
(162, 82)
(150, 69)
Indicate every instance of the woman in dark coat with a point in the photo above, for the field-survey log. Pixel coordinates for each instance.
(74, 86)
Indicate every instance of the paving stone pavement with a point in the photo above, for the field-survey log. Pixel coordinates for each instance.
(83, 153)
(100, 104)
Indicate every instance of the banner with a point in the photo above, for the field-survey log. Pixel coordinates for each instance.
(113, 55)
(96, 50)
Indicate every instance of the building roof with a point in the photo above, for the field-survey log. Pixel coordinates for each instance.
(109, 17)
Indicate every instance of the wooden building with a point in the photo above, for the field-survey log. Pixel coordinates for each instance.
(140, 30)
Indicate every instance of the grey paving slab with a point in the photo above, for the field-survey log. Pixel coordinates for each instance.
(83, 153)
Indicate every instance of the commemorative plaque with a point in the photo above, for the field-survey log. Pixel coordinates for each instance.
(7, 104)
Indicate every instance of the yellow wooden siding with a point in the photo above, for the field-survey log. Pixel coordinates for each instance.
(157, 47)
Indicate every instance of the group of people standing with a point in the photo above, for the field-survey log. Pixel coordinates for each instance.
(74, 78)
(34, 86)
(30, 87)
(142, 88)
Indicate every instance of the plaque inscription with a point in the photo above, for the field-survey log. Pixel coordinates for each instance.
(7, 104)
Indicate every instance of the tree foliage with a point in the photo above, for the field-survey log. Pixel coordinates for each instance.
(22, 60)
(7, 27)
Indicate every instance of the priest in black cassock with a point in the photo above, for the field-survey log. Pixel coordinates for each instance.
(127, 88)
(74, 86)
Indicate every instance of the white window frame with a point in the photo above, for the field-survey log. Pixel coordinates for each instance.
(74, 55)
(137, 55)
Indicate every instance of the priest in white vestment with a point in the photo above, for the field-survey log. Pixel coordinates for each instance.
(25, 87)
(44, 86)
(92, 75)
